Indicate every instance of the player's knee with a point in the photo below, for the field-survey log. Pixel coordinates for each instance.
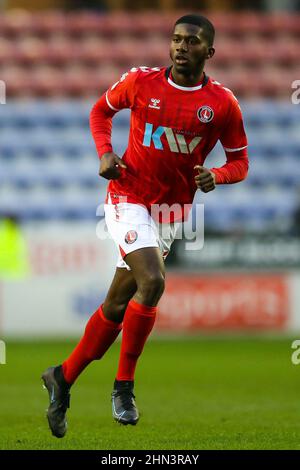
(152, 285)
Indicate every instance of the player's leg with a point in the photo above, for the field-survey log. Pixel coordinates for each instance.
(148, 270)
(101, 331)
(103, 327)
(147, 267)
(121, 290)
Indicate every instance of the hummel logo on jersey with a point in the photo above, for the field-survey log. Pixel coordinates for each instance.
(154, 103)
(176, 142)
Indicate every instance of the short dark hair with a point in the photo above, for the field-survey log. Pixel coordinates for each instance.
(203, 22)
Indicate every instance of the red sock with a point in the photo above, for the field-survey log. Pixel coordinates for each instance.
(137, 325)
(99, 335)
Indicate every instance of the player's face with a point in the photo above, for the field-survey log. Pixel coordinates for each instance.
(189, 48)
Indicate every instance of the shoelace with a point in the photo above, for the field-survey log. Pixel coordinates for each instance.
(126, 399)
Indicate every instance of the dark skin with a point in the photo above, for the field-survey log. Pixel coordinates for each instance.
(189, 42)
(189, 50)
(144, 283)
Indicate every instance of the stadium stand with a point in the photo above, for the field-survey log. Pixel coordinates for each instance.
(80, 54)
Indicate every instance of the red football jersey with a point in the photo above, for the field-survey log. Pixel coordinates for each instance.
(172, 129)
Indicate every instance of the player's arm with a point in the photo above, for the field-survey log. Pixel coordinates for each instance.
(119, 96)
(234, 142)
(101, 126)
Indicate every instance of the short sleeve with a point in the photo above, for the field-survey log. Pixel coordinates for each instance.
(233, 137)
(122, 94)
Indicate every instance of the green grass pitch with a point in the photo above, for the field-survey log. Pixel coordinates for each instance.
(193, 393)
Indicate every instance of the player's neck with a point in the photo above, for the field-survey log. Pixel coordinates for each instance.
(186, 80)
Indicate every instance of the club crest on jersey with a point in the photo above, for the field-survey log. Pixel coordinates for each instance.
(131, 237)
(205, 114)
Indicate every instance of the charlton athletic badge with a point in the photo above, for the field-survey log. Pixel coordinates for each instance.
(131, 237)
(205, 114)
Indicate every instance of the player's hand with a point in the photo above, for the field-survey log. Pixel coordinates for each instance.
(110, 165)
(205, 179)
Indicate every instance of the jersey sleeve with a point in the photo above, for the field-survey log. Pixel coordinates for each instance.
(234, 141)
(122, 93)
(233, 137)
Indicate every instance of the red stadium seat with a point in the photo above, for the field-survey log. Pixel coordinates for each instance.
(85, 22)
(49, 22)
(282, 22)
(16, 22)
(8, 51)
(18, 82)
